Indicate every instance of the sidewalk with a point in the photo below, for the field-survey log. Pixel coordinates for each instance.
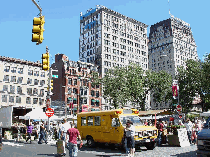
(24, 141)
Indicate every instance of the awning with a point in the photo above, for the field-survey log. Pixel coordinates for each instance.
(69, 98)
(75, 98)
(93, 100)
(97, 100)
(153, 112)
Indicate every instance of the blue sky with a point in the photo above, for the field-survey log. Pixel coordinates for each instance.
(62, 23)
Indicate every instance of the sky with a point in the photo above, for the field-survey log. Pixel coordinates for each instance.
(62, 23)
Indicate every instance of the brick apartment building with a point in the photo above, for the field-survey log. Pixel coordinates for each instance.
(74, 85)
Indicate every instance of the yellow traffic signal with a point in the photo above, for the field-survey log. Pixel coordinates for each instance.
(51, 85)
(38, 29)
(45, 61)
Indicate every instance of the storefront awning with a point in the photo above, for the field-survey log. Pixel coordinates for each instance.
(97, 100)
(69, 98)
(93, 100)
(75, 98)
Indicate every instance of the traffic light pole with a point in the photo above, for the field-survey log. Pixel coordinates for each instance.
(40, 9)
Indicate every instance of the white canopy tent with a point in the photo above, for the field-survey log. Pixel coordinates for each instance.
(38, 114)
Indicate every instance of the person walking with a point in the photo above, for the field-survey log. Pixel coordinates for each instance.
(29, 131)
(160, 131)
(64, 128)
(130, 142)
(1, 135)
(58, 128)
(189, 126)
(73, 133)
(42, 134)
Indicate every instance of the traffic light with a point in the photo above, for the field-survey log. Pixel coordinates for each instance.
(51, 84)
(38, 29)
(45, 61)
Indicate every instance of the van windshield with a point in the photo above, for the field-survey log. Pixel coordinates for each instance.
(135, 119)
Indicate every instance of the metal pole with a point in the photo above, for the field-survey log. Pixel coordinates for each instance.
(40, 9)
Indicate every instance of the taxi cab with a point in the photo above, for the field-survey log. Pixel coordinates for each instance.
(108, 127)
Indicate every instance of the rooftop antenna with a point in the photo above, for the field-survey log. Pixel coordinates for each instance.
(169, 8)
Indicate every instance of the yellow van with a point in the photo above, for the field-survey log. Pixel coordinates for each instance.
(108, 127)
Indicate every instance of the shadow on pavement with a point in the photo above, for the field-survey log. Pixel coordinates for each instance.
(187, 154)
(55, 155)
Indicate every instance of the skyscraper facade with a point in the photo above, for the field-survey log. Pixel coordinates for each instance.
(109, 39)
(171, 43)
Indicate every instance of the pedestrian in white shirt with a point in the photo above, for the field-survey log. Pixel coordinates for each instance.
(189, 127)
(64, 128)
(130, 132)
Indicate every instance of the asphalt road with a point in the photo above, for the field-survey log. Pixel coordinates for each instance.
(13, 149)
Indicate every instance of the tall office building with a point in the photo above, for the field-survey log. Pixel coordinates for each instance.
(109, 39)
(171, 43)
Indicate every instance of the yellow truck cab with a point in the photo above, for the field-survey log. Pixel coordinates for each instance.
(108, 127)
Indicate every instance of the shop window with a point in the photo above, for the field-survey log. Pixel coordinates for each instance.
(83, 121)
(97, 121)
(90, 120)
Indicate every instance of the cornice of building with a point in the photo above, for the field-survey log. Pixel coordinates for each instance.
(15, 60)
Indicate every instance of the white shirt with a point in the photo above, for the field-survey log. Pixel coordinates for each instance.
(189, 126)
(130, 132)
(65, 127)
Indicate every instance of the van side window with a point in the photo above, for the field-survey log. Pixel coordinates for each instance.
(83, 121)
(90, 121)
(97, 121)
(115, 122)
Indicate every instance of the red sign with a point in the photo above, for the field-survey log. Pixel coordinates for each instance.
(179, 107)
(49, 112)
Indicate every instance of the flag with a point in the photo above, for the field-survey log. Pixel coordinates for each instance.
(174, 90)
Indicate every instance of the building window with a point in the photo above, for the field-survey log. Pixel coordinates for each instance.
(12, 99)
(42, 82)
(69, 90)
(6, 69)
(35, 100)
(41, 101)
(35, 91)
(92, 93)
(19, 90)
(4, 98)
(29, 81)
(13, 78)
(84, 101)
(97, 103)
(12, 89)
(5, 88)
(28, 100)
(75, 91)
(97, 94)
(75, 81)
(18, 99)
(36, 82)
(36, 73)
(30, 72)
(20, 70)
(70, 81)
(29, 91)
(92, 102)
(13, 69)
(6, 78)
(20, 80)
(42, 74)
(41, 92)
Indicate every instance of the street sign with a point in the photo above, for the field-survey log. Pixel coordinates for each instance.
(179, 107)
(49, 112)
(55, 76)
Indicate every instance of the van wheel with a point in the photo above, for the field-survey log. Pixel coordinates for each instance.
(151, 146)
(90, 142)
